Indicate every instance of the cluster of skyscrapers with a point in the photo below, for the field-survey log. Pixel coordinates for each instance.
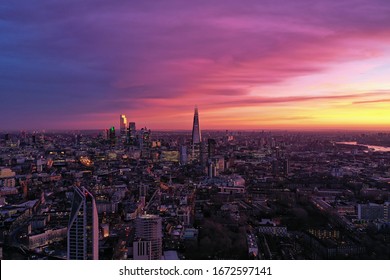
(130, 194)
(127, 132)
(129, 136)
(83, 228)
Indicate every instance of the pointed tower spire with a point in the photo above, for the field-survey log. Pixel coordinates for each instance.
(196, 136)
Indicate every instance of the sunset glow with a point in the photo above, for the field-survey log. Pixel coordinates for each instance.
(246, 64)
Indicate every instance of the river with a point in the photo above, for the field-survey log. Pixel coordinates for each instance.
(371, 147)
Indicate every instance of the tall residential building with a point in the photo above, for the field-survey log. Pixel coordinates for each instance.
(83, 230)
(148, 237)
(196, 136)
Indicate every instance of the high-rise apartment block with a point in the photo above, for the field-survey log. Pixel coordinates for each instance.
(83, 241)
(148, 242)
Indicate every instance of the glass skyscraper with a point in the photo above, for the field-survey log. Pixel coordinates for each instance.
(196, 136)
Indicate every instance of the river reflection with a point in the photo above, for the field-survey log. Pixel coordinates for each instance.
(371, 147)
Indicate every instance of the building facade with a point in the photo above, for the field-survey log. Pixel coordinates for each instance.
(122, 125)
(148, 233)
(196, 136)
(83, 229)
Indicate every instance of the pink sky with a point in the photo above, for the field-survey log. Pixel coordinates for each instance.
(246, 64)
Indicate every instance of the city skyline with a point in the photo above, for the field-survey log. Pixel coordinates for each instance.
(249, 65)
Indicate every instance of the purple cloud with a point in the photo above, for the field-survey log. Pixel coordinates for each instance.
(73, 59)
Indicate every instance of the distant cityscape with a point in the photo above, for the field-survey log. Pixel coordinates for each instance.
(129, 193)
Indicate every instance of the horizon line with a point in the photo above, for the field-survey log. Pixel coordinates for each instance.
(211, 129)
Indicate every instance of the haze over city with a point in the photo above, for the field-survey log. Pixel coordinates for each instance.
(247, 65)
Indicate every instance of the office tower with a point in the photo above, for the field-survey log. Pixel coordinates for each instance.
(111, 135)
(145, 139)
(212, 170)
(202, 153)
(145, 142)
(183, 155)
(122, 125)
(132, 134)
(143, 190)
(83, 230)
(286, 167)
(196, 136)
(148, 233)
(122, 129)
(211, 146)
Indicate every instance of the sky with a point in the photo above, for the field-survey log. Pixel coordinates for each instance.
(260, 64)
